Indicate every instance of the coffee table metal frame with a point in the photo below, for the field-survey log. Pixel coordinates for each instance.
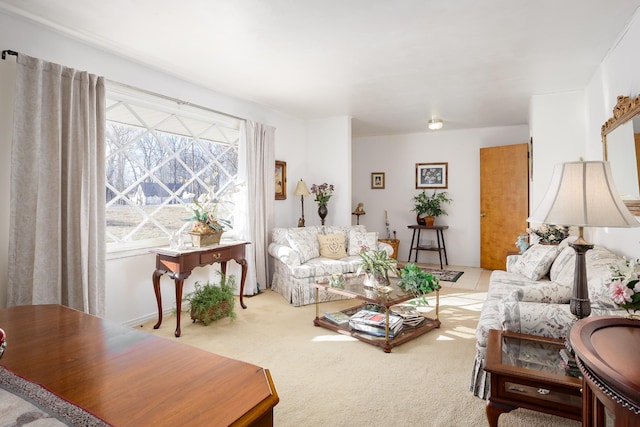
(354, 288)
(519, 379)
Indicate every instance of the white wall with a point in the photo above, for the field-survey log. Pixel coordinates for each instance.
(557, 125)
(330, 162)
(397, 156)
(618, 74)
(130, 297)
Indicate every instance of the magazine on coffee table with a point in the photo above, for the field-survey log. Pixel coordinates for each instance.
(374, 323)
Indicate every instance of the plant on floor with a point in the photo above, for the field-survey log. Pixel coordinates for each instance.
(415, 280)
(210, 301)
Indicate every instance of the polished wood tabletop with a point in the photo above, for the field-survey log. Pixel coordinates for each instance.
(607, 349)
(129, 377)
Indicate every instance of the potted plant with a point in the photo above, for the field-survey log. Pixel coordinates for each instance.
(210, 301)
(208, 225)
(428, 208)
(415, 280)
(376, 265)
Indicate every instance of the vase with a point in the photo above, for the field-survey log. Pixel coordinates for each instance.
(204, 236)
(426, 220)
(322, 212)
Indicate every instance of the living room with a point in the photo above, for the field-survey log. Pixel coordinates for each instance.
(563, 126)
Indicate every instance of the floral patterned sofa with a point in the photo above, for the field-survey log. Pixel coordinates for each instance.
(532, 297)
(301, 256)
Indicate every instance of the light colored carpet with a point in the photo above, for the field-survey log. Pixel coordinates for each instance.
(327, 379)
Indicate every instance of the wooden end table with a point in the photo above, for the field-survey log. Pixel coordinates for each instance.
(354, 288)
(416, 246)
(607, 349)
(527, 372)
(179, 263)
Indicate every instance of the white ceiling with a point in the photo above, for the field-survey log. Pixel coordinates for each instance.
(391, 65)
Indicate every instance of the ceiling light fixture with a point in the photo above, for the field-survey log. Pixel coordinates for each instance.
(435, 124)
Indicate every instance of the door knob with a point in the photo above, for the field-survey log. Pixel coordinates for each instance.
(482, 214)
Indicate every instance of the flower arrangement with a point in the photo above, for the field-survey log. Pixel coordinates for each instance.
(548, 233)
(624, 288)
(323, 193)
(206, 208)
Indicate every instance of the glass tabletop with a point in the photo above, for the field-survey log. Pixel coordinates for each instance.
(537, 355)
(354, 286)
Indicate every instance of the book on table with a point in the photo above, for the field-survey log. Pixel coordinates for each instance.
(410, 315)
(337, 317)
(374, 323)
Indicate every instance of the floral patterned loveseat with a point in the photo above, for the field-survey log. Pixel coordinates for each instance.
(532, 297)
(303, 255)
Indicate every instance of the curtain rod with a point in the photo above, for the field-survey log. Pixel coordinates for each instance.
(148, 92)
(8, 52)
(176, 100)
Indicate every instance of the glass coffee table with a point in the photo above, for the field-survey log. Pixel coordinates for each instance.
(527, 372)
(354, 287)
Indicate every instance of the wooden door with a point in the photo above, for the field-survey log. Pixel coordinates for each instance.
(504, 202)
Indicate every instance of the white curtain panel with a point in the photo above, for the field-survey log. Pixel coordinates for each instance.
(257, 166)
(57, 219)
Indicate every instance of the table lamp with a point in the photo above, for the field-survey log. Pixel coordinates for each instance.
(582, 194)
(302, 190)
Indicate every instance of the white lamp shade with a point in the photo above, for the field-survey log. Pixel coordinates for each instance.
(583, 194)
(302, 189)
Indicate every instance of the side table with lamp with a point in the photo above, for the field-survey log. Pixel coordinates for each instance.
(582, 194)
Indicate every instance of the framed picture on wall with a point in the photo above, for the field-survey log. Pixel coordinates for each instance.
(432, 175)
(281, 180)
(377, 180)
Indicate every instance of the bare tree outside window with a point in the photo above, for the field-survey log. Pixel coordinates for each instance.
(154, 154)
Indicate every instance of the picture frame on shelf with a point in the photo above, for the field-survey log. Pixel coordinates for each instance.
(281, 180)
(377, 180)
(432, 175)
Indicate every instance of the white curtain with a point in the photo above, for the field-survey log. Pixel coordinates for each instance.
(256, 167)
(57, 217)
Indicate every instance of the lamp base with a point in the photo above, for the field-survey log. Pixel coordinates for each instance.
(300, 222)
(580, 305)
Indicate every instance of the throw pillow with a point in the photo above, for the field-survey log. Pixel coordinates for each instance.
(305, 243)
(357, 240)
(332, 246)
(536, 261)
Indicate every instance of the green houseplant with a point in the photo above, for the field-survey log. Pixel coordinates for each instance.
(210, 301)
(415, 280)
(429, 207)
(377, 265)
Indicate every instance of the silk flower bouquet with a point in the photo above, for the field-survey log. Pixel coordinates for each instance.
(206, 208)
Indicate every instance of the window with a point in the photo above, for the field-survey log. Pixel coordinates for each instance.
(156, 151)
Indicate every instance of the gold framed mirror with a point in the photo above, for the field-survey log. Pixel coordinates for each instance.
(621, 148)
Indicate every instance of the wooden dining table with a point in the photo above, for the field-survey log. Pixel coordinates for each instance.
(129, 377)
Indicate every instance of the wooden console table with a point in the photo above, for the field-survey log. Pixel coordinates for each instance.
(416, 246)
(128, 377)
(178, 265)
(607, 349)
